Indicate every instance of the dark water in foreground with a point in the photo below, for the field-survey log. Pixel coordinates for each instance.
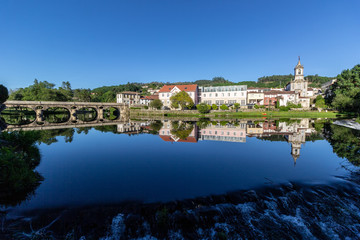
(245, 179)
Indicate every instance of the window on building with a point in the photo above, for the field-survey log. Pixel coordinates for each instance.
(163, 94)
(234, 94)
(242, 102)
(228, 94)
(204, 94)
(216, 94)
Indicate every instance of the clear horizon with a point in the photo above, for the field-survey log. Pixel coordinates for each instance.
(93, 44)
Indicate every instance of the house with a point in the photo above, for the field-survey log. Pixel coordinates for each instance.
(129, 98)
(146, 100)
(255, 97)
(167, 91)
(227, 95)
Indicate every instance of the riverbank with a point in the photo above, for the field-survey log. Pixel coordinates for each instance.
(247, 114)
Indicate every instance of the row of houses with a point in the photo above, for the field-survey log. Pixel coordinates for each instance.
(296, 92)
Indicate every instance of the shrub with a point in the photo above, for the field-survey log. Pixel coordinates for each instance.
(4, 93)
(203, 108)
(293, 105)
(236, 105)
(224, 107)
(256, 106)
(214, 107)
(156, 104)
(284, 109)
(146, 107)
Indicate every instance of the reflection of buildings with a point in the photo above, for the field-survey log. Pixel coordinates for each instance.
(226, 133)
(131, 127)
(292, 131)
(166, 133)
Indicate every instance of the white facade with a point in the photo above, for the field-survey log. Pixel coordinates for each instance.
(128, 98)
(227, 95)
(166, 92)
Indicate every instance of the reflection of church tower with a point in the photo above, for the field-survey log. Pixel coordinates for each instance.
(296, 139)
(295, 151)
(299, 84)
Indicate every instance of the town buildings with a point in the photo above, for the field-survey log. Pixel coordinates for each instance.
(130, 98)
(146, 100)
(167, 91)
(296, 92)
(227, 95)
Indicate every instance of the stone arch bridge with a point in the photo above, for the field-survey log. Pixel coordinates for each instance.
(73, 107)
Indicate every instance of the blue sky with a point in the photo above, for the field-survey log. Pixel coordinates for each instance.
(97, 43)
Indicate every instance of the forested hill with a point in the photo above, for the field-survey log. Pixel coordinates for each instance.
(314, 80)
(45, 91)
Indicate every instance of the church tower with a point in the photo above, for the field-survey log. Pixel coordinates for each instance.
(299, 84)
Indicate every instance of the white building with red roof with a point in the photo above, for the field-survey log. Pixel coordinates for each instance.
(167, 91)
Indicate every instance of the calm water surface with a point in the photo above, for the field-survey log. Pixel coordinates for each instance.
(106, 167)
(239, 179)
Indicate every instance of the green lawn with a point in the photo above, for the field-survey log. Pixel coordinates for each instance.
(294, 114)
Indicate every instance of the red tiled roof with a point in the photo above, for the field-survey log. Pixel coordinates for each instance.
(278, 92)
(152, 97)
(169, 139)
(186, 88)
(128, 92)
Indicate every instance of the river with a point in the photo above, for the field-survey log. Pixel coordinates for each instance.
(207, 179)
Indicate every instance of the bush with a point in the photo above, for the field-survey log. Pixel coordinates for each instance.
(146, 107)
(224, 107)
(284, 109)
(4, 94)
(236, 105)
(203, 108)
(293, 105)
(256, 106)
(156, 104)
(214, 107)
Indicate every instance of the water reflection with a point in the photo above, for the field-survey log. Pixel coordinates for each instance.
(165, 160)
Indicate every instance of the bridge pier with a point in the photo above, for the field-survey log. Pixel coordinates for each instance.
(39, 115)
(73, 115)
(100, 113)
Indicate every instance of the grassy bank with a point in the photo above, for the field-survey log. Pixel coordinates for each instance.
(293, 114)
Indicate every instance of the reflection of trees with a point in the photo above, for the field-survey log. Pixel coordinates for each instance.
(344, 141)
(155, 127)
(49, 136)
(181, 130)
(203, 123)
(18, 158)
(18, 116)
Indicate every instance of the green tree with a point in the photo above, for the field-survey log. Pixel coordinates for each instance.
(236, 105)
(320, 102)
(224, 107)
(4, 93)
(203, 108)
(156, 103)
(82, 95)
(346, 90)
(182, 100)
(214, 107)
